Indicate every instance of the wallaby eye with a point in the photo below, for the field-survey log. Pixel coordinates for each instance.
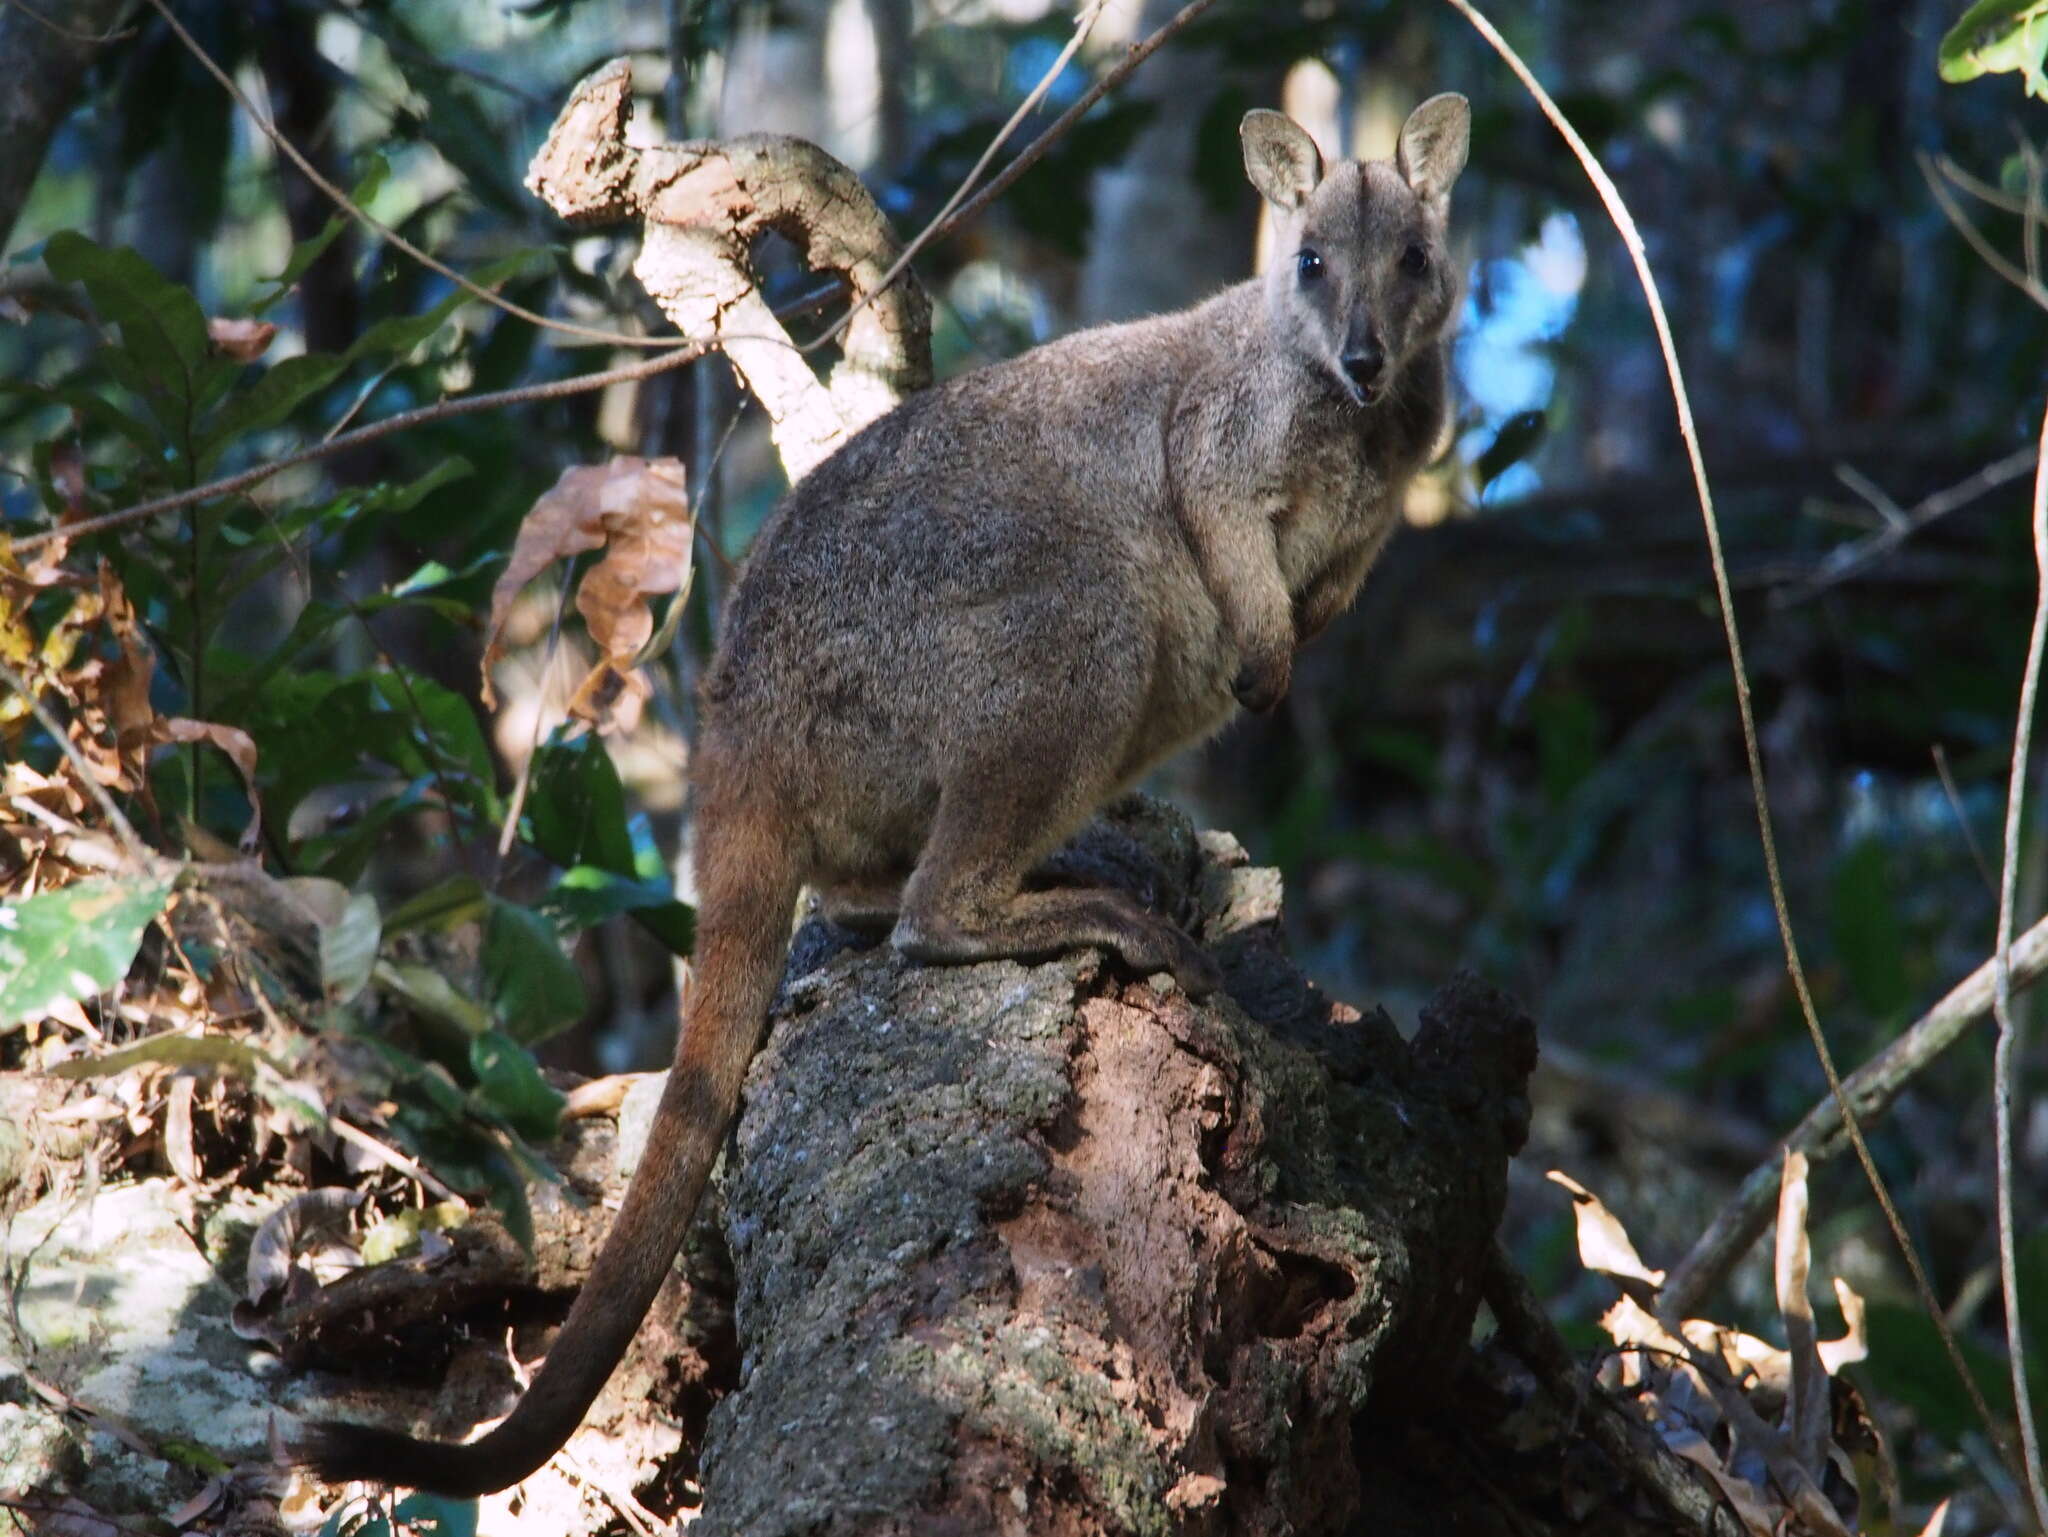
(1310, 265)
(1415, 261)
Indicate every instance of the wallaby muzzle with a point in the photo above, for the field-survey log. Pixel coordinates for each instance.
(1365, 370)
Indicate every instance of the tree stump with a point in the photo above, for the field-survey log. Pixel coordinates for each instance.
(1043, 1249)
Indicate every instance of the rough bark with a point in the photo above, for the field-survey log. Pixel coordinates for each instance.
(1041, 1249)
(44, 51)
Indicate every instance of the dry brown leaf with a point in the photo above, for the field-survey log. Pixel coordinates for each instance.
(67, 473)
(1603, 1242)
(124, 685)
(1806, 1406)
(1759, 1515)
(1853, 1346)
(242, 340)
(638, 512)
(240, 749)
(208, 1497)
(1936, 1522)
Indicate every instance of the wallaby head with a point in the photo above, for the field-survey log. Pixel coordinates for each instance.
(1363, 281)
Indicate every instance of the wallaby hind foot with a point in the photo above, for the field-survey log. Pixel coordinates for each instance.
(966, 900)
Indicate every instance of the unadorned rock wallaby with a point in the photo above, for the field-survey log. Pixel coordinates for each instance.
(983, 617)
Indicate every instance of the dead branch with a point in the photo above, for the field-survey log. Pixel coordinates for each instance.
(1871, 1090)
(701, 204)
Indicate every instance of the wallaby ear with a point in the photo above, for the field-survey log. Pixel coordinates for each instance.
(1280, 158)
(1434, 142)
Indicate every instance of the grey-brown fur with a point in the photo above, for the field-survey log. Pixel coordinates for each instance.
(988, 613)
(1011, 597)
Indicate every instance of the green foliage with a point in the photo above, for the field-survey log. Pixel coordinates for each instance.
(1869, 937)
(1995, 37)
(577, 817)
(73, 942)
(346, 755)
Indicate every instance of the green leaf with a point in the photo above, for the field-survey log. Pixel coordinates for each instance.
(510, 1082)
(163, 330)
(396, 335)
(348, 949)
(426, 992)
(174, 1051)
(436, 1515)
(1995, 37)
(458, 899)
(1863, 913)
(280, 390)
(92, 408)
(307, 252)
(315, 729)
(534, 989)
(321, 615)
(586, 896)
(1908, 1366)
(73, 943)
(576, 806)
(1519, 437)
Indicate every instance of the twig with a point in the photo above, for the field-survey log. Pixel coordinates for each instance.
(136, 849)
(355, 211)
(1955, 804)
(1624, 222)
(1980, 189)
(1872, 1088)
(94, 38)
(1845, 560)
(1084, 24)
(1529, 1333)
(951, 217)
(1033, 152)
(1967, 228)
(389, 1157)
(2005, 1058)
(419, 416)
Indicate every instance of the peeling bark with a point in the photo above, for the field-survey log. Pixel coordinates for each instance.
(701, 205)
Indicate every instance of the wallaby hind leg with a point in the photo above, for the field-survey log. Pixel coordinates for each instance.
(964, 902)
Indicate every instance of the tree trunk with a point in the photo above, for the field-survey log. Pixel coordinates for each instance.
(1043, 1249)
(44, 49)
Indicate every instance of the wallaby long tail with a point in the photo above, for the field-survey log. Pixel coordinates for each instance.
(748, 881)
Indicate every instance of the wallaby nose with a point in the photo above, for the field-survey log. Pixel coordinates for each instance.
(1364, 365)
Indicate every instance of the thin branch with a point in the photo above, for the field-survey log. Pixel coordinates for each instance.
(1033, 152)
(1084, 24)
(419, 416)
(1872, 1089)
(1955, 805)
(120, 34)
(1846, 560)
(956, 212)
(1967, 228)
(1624, 222)
(392, 1159)
(355, 211)
(1980, 189)
(2005, 1059)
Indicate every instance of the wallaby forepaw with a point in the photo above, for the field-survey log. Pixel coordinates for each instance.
(1260, 687)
